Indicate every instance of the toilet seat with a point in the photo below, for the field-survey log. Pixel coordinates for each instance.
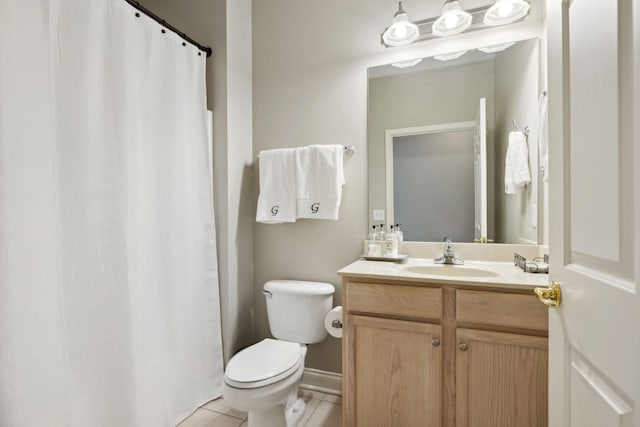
(263, 363)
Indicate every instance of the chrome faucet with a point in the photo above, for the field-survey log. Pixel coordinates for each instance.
(448, 255)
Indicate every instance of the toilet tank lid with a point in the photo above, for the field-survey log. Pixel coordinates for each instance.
(299, 287)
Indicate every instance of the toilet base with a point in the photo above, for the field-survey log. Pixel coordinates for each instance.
(295, 412)
(277, 417)
(273, 405)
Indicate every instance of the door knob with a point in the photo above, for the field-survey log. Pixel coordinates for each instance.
(552, 296)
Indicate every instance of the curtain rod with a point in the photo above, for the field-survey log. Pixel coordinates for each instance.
(168, 26)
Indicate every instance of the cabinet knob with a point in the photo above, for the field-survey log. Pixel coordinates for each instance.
(463, 346)
(435, 342)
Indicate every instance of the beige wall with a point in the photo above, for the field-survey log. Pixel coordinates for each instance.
(225, 26)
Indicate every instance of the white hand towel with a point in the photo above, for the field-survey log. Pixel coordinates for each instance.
(543, 136)
(319, 178)
(516, 167)
(277, 199)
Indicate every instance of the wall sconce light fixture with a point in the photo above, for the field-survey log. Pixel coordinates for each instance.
(505, 12)
(453, 20)
(401, 31)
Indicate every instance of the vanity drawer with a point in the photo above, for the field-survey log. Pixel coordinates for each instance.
(397, 300)
(501, 309)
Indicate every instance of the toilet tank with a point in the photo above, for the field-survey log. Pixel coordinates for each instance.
(296, 309)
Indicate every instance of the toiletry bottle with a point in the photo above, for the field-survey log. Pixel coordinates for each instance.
(390, 244)
(399, 233)
(381, 233)
(394, 242)
(374, 249)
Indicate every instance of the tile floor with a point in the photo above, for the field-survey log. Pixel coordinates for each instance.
(323, 410)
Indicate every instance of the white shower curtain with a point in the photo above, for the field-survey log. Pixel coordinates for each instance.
(109, 306)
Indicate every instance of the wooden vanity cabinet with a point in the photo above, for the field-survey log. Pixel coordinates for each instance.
(423, 354)
(382, 351)
(501, 364)
(501, 379)
(392, 355)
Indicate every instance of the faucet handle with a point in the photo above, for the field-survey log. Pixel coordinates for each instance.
(448, 248)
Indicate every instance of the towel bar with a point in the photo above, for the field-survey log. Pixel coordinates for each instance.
(349, 150)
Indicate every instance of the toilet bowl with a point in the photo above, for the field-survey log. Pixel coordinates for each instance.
(263, 379)
(269, 393)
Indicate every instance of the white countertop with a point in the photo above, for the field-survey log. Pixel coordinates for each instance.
(487, 273)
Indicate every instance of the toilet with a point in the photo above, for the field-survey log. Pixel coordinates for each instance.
(263, 379)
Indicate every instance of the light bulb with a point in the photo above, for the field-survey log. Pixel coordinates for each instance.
(400, 31)
(451, 21)
(505, 9)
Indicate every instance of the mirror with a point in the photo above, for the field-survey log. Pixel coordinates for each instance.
(425, 145)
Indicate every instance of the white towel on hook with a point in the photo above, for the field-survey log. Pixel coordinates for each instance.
(319, 181)
(516, 167)
(543, 136)
(277, 199)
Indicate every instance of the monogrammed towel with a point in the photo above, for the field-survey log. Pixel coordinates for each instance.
(277, 199)
(319, 181)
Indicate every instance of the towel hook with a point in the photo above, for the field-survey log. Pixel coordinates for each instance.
(525, 131)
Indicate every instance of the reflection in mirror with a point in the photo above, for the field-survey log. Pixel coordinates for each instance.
(423, 165)
(431, 177)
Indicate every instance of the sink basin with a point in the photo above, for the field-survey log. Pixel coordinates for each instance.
(449, 271)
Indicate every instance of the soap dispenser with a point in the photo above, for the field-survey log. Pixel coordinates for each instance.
(381, 233)
(373, 247)
(390, 245)
(399, 233)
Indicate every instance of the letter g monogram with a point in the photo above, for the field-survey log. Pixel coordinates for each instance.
(274, 210)
(315, 207)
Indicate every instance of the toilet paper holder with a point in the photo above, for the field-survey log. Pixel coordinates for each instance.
(333, 322)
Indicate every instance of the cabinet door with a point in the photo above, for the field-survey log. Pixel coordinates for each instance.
(501, 379)
(393, 373)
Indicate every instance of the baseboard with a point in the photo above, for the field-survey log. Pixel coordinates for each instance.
(322, 381)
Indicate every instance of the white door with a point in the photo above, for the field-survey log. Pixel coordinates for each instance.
(594, 122)
(480, 169)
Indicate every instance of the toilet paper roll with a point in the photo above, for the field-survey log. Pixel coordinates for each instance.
(333, 322)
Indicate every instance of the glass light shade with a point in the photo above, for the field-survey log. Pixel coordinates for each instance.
(406, 64)
(496, 47)
(401, 31)
(505, 12)
(450, 56)
(452, 21)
